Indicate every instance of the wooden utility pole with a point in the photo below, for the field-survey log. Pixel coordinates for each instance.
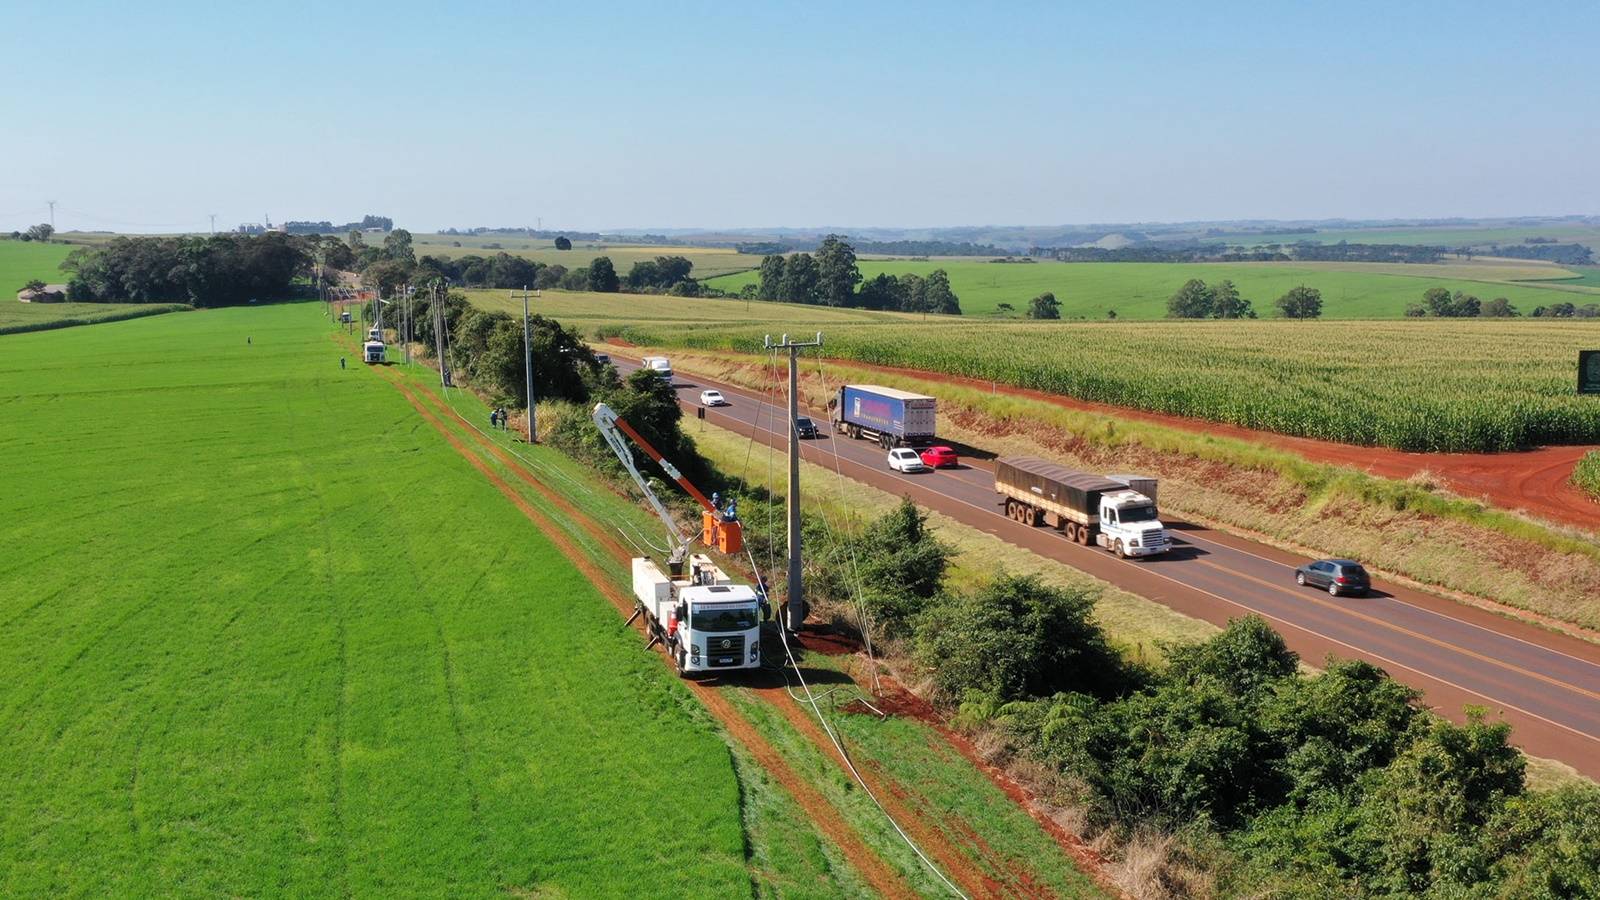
(794, 590)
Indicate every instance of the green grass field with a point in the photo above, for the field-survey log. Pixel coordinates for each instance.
(1140, 290)
(708, 261)
(265, 633)
(22, 261)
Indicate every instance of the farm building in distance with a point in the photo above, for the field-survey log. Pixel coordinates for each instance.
(50, 293)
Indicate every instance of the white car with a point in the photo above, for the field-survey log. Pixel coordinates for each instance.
(712, 398)
(904, 459)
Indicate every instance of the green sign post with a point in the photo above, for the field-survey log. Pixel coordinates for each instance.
(1589, 371)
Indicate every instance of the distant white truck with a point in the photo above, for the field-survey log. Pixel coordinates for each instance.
(706, 621)
(1117, 512)
(659, 365)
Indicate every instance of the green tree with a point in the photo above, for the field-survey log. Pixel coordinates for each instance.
(896, 563)
(1192, 301)
(1300, 303)
(1499, 308)
(771, 285)
(41, 232)
(397, 246)
(837, 273)
(880, 291)
(356, 241)
(1016, 638)
(1044, 306)
(939, 298)
(1437, 301)
(912, 292)
(562, 243)
(1227, 304)
(801, 280)
(1247, 655)
(603, 276)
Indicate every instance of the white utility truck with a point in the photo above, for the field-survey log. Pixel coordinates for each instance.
(659, 365)
(706, 621)
(1117, 512)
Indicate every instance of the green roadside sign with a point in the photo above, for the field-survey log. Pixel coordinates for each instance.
(1589, 371)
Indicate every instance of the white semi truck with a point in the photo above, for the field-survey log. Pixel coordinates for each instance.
(706, 621)
(1117, 512)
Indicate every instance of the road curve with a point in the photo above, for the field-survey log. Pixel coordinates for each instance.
(1547, 685)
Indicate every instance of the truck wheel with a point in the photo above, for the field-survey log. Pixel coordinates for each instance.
(855, 433)
(682, 663)
(1033, 517)
(1084, 537)
(885, 441)
(1121, 552)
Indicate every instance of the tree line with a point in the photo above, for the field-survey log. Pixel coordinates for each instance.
(1271, 782)
(832, 277)
(41, 233)
(1442, 303)
(219, 270)
(1199, 300)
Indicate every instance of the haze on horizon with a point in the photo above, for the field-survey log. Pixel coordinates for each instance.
(724, 116)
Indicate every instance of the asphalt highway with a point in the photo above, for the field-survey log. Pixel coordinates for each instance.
(1546, 684)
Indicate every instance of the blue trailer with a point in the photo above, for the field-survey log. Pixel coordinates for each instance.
(892, 417)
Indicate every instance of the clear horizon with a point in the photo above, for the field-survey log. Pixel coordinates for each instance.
(640, 118)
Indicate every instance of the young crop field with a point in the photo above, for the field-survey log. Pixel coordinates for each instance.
(1141, 290)
(19, 317)
(266, 633)
(708, 261)
(23, 261)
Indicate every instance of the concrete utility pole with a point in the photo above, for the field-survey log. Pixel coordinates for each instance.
(52, 215)
(527, 363)
(795, 591)
(213, 222)
(438, 338)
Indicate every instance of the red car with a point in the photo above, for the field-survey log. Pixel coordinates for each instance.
(939, 458)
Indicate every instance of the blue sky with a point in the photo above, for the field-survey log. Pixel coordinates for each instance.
(594, 116)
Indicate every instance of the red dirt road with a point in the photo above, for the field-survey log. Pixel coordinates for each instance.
(1533, 481)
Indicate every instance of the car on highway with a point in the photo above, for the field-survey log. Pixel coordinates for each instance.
(940, 457)
(603, 359)
(713, 398)
(1338, 576)
(805, 429)
(905, 459)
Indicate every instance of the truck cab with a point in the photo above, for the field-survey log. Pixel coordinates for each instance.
(707, 621)
(659, 365)
(1130, 525)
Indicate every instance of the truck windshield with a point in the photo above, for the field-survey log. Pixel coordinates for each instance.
(723, 619)
(1137, 514)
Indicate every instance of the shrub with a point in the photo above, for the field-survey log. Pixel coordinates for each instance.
(1018, 638)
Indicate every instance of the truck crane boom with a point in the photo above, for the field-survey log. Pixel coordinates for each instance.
(719, 528)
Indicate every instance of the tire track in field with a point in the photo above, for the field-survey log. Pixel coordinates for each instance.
(824, 816)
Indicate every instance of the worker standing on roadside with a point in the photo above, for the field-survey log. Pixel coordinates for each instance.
(341, 362)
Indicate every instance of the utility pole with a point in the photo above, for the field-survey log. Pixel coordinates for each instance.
(213, 223)
(794, 590)
(527, 363)
(52, 215)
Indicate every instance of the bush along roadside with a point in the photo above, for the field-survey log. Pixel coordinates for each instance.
(1587, 474)
(1261, 780)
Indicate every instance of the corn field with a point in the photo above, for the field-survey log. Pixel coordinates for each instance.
(1434, 385)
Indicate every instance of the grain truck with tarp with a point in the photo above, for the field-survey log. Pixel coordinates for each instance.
(1115, 512)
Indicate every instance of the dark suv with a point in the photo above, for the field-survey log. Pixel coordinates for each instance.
(805, 429)
(1339, 576)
